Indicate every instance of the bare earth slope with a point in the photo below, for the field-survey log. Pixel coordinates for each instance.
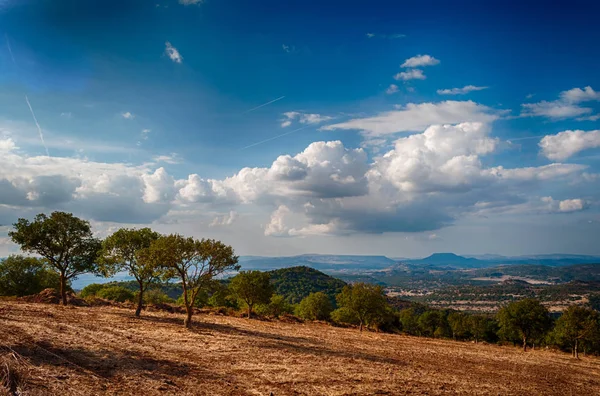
(105, 350)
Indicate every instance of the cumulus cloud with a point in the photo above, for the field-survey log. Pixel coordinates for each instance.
(412, 74)
(416, 117)
(392, 89)
(460, 91)
(173, 53)
(420, 61)
(568, 143)
(226, 219)
(303, 118)
(567, 106)
(127, 115)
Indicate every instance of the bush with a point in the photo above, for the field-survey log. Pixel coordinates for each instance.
(316, 306)
(23, 276)
(276, 307)
(91, 290)
(201, 300)
(344, 315)
(116, 293)
(157, 297)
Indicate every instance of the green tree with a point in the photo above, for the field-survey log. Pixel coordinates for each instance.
(315, 306)
(91, 290)
(527, 319)
(577, 325)
(459, 325)
(115, 293)
(594, 301)
(276, 307)
(366, 301)
(409, 318)
(195, 262)
(481, 327)
(252, 287)
(433, 324)
(65, 241)
(120, 252)
(23, 276)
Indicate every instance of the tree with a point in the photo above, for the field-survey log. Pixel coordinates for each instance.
(409, 318)
(195, 262)
(315, 306)
(23, 276)
(120, 252)
(433, 324)
(65, 241)
(575, 326)
(528, 319)
(115, 293)
(459, 325)
(481, 327)
(252, 287)
(276, 307)
(366, 301)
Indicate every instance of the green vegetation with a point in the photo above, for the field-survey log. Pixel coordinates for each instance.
(296, 283)
(65, 241)
(252, 287)
(366, 302)
(120, 252)
(315, 306)
(578, 326)
(195, 262)
(276, 307)
(526, 320)
(23, 276)
(115, 293)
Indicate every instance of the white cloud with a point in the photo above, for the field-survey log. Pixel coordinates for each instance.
(67, 115)
(190, 2)
(286, 48)
(571, 205)
(303, 118)
(276, 226)
(412, 74)
(420, 61)
(173, 53)
(226, 219)
(393, 88)
(567, 106)
(568, 143)
(416, 117)
(460, 91)
(127, 115)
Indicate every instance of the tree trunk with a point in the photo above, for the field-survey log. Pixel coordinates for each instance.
(138, 311)
(187, 322)
(361, 325)
(524, 344)
(249, 310)
(576, 349)
(63, 289)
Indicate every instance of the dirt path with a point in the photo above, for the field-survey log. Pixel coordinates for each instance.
(105, 350)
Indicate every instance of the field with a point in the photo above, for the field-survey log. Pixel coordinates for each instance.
(105, 350)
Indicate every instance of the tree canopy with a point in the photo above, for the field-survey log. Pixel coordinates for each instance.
(316, 306)
(252, 287)
(23, 276)
(366, 301)
(577, 326)
(526, 320)
(65, 241)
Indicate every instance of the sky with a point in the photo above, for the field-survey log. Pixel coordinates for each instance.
(395, 128)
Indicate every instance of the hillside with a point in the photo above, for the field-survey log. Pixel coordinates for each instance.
(321, 262)
(295, 283)
(92, 351)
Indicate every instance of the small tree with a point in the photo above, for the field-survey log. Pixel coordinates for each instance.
(433, 324)
(528, 319)
(458, 322)
(315, 306)
(120, 252)
(65, 241)
(575, 326)
(366, 301)
(252, 287)
(480, 327)
(195, 262)
(23, 276)
(409, 318)
(115, 293)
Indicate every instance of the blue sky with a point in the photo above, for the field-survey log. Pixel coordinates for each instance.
(377, 127)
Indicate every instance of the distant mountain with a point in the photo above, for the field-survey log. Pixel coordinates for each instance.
(448, 259)
(321, 262)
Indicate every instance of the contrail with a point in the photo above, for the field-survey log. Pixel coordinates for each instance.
(275, 137)
(262, 105)
(38, 125)
(10, 49)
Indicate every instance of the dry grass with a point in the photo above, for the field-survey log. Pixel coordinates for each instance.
(105, 350)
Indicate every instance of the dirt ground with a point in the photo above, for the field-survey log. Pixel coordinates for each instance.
(106, 350)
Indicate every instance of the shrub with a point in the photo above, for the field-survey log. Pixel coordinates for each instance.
(156, 297)
(116, 293)
(344, 315)
(23, 276)
(316, 306)
(276, 307)
(91, 290)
